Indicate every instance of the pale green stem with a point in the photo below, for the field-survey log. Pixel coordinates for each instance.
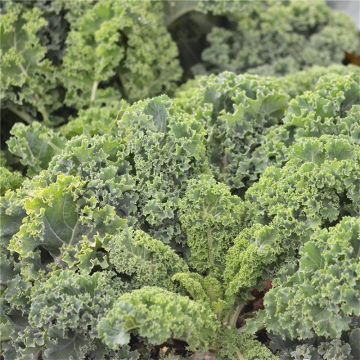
(23, 70)
(21, 114)
(234, 317)
(239, 356)
(93, 91)
(45, 116)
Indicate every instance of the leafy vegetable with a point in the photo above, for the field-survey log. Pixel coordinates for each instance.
(328, 265)
(147, 261)
(146, 309)
(35, 145)
(28, 80)
(269, 37)
(121, 41)
(211, 217)
(143, 217)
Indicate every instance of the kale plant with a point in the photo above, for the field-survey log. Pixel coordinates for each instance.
(143, 216)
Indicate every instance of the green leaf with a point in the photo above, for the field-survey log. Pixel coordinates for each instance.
(158, 315)
(159, 113)
(311, 151)
(211, 218)
(35, 145)
(321, 296)
(66, 349)
(147, 261)
(311, 256)
(59, 220)
(27, 78)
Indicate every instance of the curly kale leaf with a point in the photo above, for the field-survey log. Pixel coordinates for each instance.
(120, 41)
(35, 145)
(251, 259)
(330, 107)
(166, 148)
(203, 288)
(142, 167)
(12, 212)
(101, 164)
(306, 80)
(334, 349)
(28, 80)
(323, 294)
(9, 180)
(239, 346)
(211, 218)
(58, 219)
(236, 111)
(322, 111)
(315, 349)
(316, 188)
(15, 294)
(75, 301)
(56, 316)
(62, 316)
(54, 33)
(271, 38)
(147, 261)
(94, 120)
(158, 315)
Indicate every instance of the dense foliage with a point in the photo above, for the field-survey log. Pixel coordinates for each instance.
(266, 37)
(142, 218)
(59, 58)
